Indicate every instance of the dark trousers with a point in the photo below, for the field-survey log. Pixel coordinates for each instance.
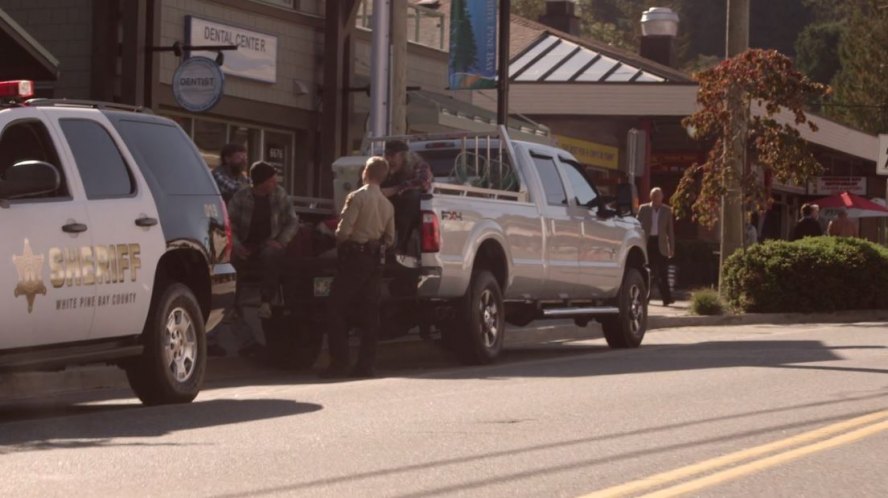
(269, 261)
(659, 267)
(355, 293)
(406, 216)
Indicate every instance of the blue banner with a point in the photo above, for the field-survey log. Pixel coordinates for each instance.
(473, 44)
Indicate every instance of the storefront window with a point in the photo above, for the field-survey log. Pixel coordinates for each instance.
(249, 138)
(209, 136)
(278, 151)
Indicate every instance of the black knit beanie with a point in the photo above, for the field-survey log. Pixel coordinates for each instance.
(261, 171)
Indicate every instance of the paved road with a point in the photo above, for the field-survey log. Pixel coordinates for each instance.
(739, 411)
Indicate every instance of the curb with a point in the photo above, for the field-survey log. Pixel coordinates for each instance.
(853, 316)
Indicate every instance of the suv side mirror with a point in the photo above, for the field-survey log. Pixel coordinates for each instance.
(29, 178)
(627, 196)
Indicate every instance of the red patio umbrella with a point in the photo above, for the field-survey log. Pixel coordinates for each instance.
(855, 205)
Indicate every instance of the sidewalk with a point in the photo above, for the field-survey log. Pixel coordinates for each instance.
(676, 315)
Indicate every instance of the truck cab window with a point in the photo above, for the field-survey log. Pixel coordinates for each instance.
(29, 141)
(583, 191)
(551, 180)
(102, 168)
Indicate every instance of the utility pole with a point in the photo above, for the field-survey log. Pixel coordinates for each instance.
(399, 67)
(380, 84)
(735, 146)
(502, 103)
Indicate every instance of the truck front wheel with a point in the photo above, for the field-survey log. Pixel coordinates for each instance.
(478, 330)
(172, 365)
(626, 330)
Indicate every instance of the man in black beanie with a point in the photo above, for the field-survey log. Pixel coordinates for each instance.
(262, 224)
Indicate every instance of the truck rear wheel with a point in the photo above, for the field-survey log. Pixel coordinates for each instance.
(627, 329)
(478, 330)
(171, 368)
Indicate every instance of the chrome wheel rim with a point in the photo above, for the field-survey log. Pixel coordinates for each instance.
(490, 315)
(180, 345)
(636, 309)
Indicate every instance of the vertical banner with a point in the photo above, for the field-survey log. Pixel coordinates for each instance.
(473, 44)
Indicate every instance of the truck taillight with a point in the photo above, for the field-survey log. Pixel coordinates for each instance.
(20, 89)
(229, 238)
(431, 232)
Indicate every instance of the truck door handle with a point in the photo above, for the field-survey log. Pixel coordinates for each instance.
(146, 221)
(74, 228)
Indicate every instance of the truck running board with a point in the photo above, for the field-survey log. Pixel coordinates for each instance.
(591, 310)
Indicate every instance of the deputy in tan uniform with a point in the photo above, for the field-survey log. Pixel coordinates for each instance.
(366, 228)
(657, 222)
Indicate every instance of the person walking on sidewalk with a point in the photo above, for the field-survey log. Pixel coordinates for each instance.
(366, 227)
(807, 226)
(230, 175)
(262, 224)
(842, 226)
(657, 222)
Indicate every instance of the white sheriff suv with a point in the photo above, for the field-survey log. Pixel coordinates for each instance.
(115, 243)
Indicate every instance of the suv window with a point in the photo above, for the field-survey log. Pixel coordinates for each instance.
(29, 140)
(164, 152)
(102, 168)
(555, 194)
(584, 192)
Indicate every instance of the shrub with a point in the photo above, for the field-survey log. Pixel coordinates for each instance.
(812, 274)
(706, 302)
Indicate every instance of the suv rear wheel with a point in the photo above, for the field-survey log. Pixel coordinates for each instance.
(171, 368)
(626, 330)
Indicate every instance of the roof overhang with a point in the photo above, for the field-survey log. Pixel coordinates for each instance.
(658, 100)
(22, 56)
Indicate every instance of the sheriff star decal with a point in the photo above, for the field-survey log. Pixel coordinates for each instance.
(30, 273)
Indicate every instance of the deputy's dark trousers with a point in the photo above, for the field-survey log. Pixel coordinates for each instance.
(659, 264)
(356, 287)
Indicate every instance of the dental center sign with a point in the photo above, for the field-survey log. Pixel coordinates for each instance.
(256, 54)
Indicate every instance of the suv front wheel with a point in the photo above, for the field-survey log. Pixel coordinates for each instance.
(171, 368)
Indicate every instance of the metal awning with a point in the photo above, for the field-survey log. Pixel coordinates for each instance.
(21, 56)
(430, 112)
(555, 59)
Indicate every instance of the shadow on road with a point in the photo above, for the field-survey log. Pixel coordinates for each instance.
(43, 426)
(659, 358)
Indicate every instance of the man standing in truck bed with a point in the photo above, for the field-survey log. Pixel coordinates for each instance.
(404, 185)
(365, 229)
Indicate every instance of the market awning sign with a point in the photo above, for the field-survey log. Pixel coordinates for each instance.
(590, 153)
(255, 57)
(198, 84)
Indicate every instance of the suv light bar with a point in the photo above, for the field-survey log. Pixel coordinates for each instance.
(20, 89)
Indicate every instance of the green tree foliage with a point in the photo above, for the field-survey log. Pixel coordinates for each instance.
(818, 50)
(767, 79)
(861, 97)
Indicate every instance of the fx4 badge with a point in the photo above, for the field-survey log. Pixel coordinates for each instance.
(451, 215)
(30, 273)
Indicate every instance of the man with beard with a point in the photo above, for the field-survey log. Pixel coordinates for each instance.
(229, 175)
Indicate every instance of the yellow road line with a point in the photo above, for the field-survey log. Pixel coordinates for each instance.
(773, 461)
(733, 458)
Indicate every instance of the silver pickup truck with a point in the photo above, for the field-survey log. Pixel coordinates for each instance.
(513, 232)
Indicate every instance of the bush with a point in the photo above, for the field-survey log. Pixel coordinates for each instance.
(809, 275)
(706, 302)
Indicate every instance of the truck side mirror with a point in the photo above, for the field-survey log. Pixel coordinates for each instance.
(626, 199)
(29, 178)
